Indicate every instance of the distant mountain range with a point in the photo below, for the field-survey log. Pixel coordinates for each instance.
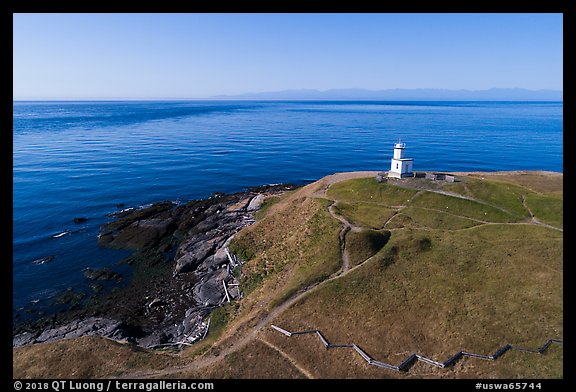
(493, 94)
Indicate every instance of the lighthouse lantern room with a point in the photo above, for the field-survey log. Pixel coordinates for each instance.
(400, 167)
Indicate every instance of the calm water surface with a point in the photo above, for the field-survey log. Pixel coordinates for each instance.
(80, 159)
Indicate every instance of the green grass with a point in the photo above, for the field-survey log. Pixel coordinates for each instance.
(463, 207)
(440, 292)
(269, 201)
(368, 190)
(319, 256)
(456, 187)
(400, 220)
(219, 319)
(301, 241)
(243, 248)
(501, 194)
(548, 209)
(365, 214)
(364, 244)
(434, 292)
(438, 219)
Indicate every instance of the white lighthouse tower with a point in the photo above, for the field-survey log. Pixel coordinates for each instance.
(400, 167)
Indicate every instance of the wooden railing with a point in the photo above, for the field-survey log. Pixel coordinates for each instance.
(410, 360)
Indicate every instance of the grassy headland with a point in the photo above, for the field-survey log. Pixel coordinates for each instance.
(470, 266)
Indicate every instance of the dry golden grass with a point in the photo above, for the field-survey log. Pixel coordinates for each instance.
(475, 290)
(289, 250)
(256, 360)
(86, 357)
(443, 283)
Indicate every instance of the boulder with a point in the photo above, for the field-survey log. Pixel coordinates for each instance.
(165, 247)
(256, 203)
(220, 257)
(191, 259)
(215, 261)
(209, 291)
(105, 240)
(80, 220)
(189, 244)
(233, 292)
(131, 215)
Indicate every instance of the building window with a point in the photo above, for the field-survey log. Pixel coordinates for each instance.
(396, 166)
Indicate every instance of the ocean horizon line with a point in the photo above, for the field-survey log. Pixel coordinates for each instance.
(276, 100)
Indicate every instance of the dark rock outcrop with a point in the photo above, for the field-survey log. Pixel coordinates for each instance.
(142, 234)
(92, 326)
(180, 265)
(210, 291)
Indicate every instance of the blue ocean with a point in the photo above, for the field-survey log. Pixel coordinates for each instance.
(84, 159)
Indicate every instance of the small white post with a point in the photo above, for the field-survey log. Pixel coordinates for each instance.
(226, 291)
(207, 328)
(228, 254)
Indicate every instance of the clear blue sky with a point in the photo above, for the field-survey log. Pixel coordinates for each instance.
(103, 56)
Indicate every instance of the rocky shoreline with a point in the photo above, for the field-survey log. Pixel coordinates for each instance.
(182, 270)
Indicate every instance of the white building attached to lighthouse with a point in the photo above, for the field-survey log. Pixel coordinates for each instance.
(400, 167)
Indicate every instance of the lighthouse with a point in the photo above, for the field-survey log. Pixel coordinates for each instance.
(401, 166)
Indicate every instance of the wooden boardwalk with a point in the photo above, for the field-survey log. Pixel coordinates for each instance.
(410, 360)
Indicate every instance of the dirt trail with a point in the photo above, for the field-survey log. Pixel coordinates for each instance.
(535, 220)
(204, 361)
(346, 227)
(289, 358)
(320, 191)
(265, 321)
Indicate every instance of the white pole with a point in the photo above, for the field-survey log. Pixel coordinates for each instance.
(226, 291)
(228, 254)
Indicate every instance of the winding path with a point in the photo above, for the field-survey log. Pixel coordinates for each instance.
(535, 220)
(248, 337)
(289, 358)
(265, 320)
(346, 227)
(240, 343)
